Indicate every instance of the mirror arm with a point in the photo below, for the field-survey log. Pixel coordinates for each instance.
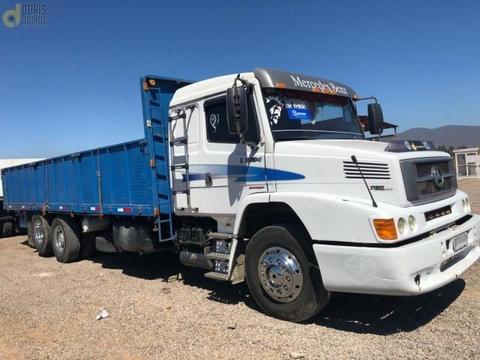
(367, 98)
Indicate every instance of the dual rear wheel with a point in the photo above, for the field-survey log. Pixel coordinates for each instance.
(7, 229)
(62, 237)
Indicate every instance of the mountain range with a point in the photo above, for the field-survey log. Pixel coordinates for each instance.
(449, 135)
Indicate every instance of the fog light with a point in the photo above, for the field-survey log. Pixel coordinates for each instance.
(402, 225)
(412, 223)
(466, 205)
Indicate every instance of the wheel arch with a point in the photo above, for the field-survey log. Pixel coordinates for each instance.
(257, 215)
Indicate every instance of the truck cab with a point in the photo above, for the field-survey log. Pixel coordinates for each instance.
(293, 182)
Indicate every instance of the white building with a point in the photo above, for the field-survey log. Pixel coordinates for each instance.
(467, 162)
(5, 163)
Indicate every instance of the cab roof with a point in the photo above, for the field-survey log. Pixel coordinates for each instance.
(268, 78)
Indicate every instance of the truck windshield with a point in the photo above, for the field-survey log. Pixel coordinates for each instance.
(299, 115)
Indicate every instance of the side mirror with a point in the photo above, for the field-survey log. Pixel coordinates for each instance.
(237, 109)
(375, 119)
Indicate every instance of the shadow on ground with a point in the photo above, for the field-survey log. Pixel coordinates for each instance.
(160, 266)
(384, 315)
(364, 314)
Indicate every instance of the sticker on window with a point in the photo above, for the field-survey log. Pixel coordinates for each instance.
(214, 120)
(274, 106)
(297, 110)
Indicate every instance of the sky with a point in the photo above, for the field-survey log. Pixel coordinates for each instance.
(73, 82)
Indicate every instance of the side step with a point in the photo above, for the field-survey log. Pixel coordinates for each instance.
(218, 256)
(219, 236)
(216, 276)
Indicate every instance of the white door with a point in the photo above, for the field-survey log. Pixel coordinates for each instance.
(224, 168)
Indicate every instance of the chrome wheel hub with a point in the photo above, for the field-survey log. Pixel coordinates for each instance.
(38, 235)
(59, 239)
(280, 274)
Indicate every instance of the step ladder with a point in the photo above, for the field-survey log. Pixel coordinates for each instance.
(155, 111)
(179, 163)
(220, 256)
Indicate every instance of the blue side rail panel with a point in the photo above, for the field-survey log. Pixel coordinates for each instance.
(110, 180)
(130, 179)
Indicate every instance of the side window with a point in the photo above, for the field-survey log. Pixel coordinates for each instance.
(217, 126)
(216, 122)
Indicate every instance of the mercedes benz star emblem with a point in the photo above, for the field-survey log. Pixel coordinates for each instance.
(437, 176)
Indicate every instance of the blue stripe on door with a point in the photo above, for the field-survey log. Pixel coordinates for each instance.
(241, 173)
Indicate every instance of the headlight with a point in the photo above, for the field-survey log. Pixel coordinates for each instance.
(412, 223)
(466, 205)
(402, 225)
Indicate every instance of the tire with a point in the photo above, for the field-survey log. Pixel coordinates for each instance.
(30, 234)
(40, 233)
(7, 229)
(282, 275)
(66, 243)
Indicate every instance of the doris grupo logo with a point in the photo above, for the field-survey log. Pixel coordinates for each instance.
(25, 14)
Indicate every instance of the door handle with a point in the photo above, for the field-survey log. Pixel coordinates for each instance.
(250, 159)
(208, 179)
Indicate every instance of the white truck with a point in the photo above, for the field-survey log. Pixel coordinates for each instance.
(272, 181)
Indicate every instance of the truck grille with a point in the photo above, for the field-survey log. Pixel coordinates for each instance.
(369, 170)
(428, 179)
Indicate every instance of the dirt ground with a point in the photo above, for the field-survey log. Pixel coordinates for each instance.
(48, 311)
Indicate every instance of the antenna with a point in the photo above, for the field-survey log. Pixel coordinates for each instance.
(354, 159)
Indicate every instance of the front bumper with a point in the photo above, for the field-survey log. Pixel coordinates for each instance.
(410, 269)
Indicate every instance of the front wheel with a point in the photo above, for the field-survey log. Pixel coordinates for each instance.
(282, 276)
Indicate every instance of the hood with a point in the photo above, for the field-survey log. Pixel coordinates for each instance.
(326, 166)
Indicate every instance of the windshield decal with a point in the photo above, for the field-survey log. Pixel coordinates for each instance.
(297, 110)
(274, 107)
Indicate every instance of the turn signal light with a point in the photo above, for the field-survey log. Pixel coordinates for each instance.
(385, 229)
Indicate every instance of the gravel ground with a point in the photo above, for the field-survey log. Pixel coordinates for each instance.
(48, 311)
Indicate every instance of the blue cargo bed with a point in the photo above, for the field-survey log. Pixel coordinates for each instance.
(129, 179)
(115, 179)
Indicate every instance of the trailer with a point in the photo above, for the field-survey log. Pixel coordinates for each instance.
(265, 177)
(10, 224)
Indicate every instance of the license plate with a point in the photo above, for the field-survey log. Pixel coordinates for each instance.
(460, 242)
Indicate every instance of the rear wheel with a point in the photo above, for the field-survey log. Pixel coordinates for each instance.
(30, 233)
(65, 235)
(7, 229)
(40, 233)
(282, 276)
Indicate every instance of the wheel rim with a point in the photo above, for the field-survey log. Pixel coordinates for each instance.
(59, 239)
(280, 274)
(38, 234)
